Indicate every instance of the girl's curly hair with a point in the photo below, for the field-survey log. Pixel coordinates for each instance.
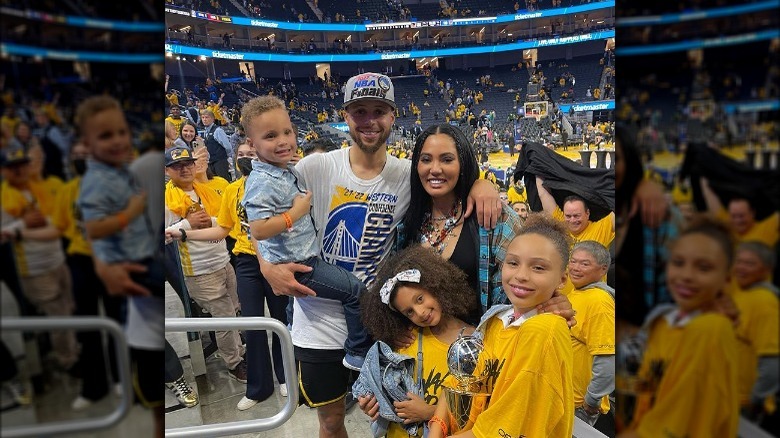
(445, 281)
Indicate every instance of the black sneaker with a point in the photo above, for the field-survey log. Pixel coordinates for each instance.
(239, 372)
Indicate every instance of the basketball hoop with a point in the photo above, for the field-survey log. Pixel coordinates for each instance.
(536, 110)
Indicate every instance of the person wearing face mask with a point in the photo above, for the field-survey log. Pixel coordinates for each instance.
(87, 288)
(232, 222)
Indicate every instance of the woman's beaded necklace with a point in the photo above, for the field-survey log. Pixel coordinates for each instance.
(437, 238)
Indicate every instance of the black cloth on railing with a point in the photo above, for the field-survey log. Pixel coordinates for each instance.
(730, 179)
(563, 177)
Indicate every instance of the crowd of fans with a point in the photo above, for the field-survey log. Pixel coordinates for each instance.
(377, 11)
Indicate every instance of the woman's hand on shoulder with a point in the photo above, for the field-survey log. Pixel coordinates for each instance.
(649, 198)
(484, 198)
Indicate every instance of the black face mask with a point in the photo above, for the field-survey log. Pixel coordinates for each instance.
(244, 165)
(80, 166)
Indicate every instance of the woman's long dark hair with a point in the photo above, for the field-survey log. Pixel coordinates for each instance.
(420, 199)
(188, 122)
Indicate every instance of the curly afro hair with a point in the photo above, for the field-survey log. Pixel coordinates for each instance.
(445, 281)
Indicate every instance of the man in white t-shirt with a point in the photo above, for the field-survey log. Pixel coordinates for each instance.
(360, 194)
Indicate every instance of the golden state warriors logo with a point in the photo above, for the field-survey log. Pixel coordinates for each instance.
(357, 230)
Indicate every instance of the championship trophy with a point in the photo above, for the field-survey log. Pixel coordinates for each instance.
(470, 395)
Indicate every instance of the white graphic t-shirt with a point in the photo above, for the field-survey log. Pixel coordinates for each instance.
(356, 221)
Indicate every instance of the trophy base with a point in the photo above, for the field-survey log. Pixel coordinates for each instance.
(464, 406)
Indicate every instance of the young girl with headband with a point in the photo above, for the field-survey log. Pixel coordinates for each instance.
(415, 286)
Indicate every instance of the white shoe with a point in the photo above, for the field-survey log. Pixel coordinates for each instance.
(283, 389)
(80, 403)
(246, 403)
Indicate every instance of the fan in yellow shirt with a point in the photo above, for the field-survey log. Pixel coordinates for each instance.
(204, 175)
(576, 215)
(517, 193)
(66, 215)
(757, 332)
(593, 339)
(688, 377)
(176, 118)
(40, 260)
(51, 183)
(252, 290)
(741, 215)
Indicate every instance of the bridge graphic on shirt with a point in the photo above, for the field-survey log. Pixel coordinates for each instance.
(343, 234)
(339, 246)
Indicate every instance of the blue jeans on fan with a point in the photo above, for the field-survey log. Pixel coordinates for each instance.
(336, 283)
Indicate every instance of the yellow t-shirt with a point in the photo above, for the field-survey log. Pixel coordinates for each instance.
(15, 203)
(41, 194)
(172, 98)
(217, 113)
(764, 231)
(435, 373)
(593, 335)
(689, 380)
(233, 216)
(67, 217)
(533, 395)
(176, 122)
(757, 333)
(218, 184)
(513, 196)
(9, 122)
(51, 184)
(601, 231)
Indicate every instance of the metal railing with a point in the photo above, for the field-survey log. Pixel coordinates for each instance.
(243, 323)
(747, 429)
(585, 430)
(57, 428)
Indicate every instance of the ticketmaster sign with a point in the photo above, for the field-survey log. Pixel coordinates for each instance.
(599, 105)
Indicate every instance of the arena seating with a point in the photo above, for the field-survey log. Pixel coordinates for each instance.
(277, 12)
(586, 70)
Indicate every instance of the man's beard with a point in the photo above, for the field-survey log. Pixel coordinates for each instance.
(369, 149)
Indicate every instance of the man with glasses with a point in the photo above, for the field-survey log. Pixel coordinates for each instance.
(210, 278)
